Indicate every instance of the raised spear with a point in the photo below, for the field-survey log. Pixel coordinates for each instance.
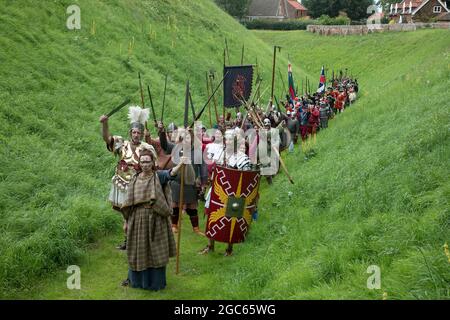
(273, 70)
(180, 201)
(123, 104)
(207, 102)
(151, 106)
(142, 96)
(164, 99)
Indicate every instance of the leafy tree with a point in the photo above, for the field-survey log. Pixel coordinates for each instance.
(235, 8)
(355, 9)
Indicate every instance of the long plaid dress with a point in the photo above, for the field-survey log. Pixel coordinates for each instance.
(150, 241)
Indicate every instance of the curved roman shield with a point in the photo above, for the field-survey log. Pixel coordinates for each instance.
(234, 196)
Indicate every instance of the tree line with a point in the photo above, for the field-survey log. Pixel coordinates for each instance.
(355, 9)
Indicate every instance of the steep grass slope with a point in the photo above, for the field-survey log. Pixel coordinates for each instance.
(376, 193)
(56, 83)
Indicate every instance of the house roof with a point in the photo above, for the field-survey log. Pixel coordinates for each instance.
(266, 8)
(297, 5)
(425, 2)
(415, 3)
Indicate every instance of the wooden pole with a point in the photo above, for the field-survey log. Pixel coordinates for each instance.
(258, 79)
(180, 215)
(164, 99)
(283, 166)
(242, 55)
(211, 84)
(284, 84)
(228, 52)
(209, 104)
(273, 71)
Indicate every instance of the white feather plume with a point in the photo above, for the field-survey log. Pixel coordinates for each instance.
(137, 114)
(144, 115)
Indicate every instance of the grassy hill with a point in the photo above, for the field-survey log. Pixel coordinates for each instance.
(376, 193)
(55, 170)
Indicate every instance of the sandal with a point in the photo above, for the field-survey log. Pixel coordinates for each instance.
(206, 250)
(125, 283)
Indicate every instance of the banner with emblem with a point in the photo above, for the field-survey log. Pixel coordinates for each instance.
(234, 196)
(237, 85)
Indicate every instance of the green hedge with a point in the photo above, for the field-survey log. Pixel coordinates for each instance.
(278, 25)
(327, 20)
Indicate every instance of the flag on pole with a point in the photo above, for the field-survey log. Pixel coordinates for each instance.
(322, 81)
(291, 82)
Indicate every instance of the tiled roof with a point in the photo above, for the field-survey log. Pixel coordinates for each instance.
(415, 3)
(267, 8)
(297, 5)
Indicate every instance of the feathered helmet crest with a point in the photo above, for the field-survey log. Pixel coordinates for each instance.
(138, 117)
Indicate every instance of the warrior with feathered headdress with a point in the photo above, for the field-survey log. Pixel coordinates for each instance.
(128, 154)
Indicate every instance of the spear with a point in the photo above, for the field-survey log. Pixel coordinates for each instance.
(211, 84)
(228, 52)
(273, 70)
(142, 92)
(180, 201)
(142, 96)
(282, 80)
(186, 105)
(180, 214)
(258, 77)
(164, 99)
(123, 104)
(192, 105)
(207, 102)
(151, 106)
(306, 85)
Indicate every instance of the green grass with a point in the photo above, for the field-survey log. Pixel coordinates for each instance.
(376, 193)
(56, 83)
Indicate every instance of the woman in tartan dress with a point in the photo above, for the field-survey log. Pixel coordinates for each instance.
(150, 239)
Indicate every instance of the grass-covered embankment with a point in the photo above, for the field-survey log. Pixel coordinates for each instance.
(55, 83)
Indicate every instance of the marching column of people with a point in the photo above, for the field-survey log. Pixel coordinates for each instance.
(147, 181)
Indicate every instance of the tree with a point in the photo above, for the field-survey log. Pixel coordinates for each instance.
(235, 8)
(355, 9)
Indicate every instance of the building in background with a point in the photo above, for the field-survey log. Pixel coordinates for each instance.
(409, 11)
(276, 9)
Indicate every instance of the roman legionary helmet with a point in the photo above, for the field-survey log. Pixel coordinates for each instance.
(171, 127)
(138, 117)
